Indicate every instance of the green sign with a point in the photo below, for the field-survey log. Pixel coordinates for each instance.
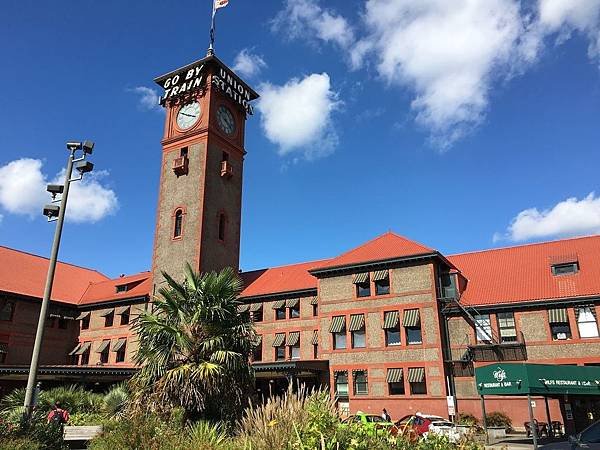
(544, 379)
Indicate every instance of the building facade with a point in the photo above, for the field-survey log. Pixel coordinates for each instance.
(391, 323)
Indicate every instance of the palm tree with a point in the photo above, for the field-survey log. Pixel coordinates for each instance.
(194, 347)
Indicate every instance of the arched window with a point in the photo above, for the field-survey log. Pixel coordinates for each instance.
(178, 224)
(222, 223)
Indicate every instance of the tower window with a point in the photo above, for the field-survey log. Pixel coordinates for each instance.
(222, 222)
(183, 152)
(178, 227)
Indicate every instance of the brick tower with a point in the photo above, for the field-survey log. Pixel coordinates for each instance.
(200, 196)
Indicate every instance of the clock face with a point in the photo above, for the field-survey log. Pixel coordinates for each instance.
(188, 115)
(225, 120)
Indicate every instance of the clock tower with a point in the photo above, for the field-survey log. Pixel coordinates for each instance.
(200, 197)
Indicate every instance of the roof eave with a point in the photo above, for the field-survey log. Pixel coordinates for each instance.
(374, 263)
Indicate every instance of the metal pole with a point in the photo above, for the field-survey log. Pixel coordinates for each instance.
(548, 420)
(484, 421)
(39, 335)
(533, 425)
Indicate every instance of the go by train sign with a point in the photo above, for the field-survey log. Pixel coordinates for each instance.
(192, 78)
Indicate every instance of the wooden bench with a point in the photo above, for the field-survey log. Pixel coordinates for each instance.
(81, 433)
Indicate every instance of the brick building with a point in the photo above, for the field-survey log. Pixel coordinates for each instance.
(391, 323)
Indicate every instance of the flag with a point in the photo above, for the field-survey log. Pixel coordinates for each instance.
(220, 4)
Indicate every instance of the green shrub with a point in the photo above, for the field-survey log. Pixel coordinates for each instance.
(468, 419)
(498, 419)
(19, 444)
(80, 419)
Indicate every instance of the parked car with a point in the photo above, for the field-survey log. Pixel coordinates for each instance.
(372, 422)
(417, 425)
(589, 438)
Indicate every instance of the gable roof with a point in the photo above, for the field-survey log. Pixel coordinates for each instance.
(139, 285)
(25, 274)
(388, 246)
(523, 273)
(290, 278)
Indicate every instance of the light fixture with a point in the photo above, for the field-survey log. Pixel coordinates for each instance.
(51, 211)
(84, 167)
(55, 189)
(88, 147)
(73, 145)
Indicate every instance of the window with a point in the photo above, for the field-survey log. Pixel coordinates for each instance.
(506, 325)
(293, 342)
(183, 152)
(338, 330)
(85, 357)
(222, 223)
(412, 325)
(256, 312)
(416, 380)
(7, 310)
(279, 345)
(391, 326)
(121, 353)
(586, 321)
(85, 320)
(280, 353)
(559, 324)
(295, 310)
(363, 284)
(178, 227)
(280, 314)
(109, 317)
(3, 352)
(357, 331)
(103, 349)
(315, 344)
(257, 350)
(341, 384)
(295, 352)
(395, 381)
(125, 317)
(122, 288)
(447, 285)
(565, 269)
(483, 328)
(361, 386)
(381, 279)
(315, 310)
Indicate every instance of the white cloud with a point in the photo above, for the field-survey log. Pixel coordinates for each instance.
(148, 98)
(448, 52)
(570, 217)
(23, 192)
(248, 64)
(297, 115)
(306, 19)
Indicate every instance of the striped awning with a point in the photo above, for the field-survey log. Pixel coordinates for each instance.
(379, 275)
(390, 319)
(411, 318)
(292, 302)
(361, 277)
(122, 310)
(83, 315)
(255, 307)
(582, 307)
(338, 324)
(293, 338)
(416, 374)
(74, 351)
(107, 312)
(83, 348)
(278, 304)
(119, 344)
(279, 340)
(357, 322)
(558, 315)
(314, 300)
(243, 308)
(394, 376)
(315, 338)
(103, 346)
(3, 347)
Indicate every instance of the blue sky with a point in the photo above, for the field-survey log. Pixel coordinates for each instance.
(462, 127)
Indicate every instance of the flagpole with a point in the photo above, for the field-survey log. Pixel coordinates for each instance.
(211, 50)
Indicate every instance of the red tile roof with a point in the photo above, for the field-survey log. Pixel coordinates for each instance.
(25, 274)
(139, 285)
(523, 273)
(294, 277)
(384, 247)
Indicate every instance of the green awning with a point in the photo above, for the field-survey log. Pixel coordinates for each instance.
(338, 324)
(361, 277)
(279, 340)
(292, 302)
(107, 312)
(538, 379)
(279, 304)
(83, 315)
(255, 307)
(243, 308)
(390, 319)
(119, 344)
(416, 374)
(379, 275)
(314, 300)
(83, 348)
(103, 346)
(357, 322)
(558, 315)
(315, 338)
(394, 376)
(411, 318)
(293, 338)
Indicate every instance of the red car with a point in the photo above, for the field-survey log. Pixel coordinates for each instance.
(413, 426)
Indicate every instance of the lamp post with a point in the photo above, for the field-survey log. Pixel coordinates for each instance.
(55, 213)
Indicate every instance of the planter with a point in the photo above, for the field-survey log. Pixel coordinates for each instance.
(496, 432)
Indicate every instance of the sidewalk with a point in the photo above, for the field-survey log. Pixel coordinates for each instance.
(519, 441)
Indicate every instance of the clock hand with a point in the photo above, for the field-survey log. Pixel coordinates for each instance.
(188, 115)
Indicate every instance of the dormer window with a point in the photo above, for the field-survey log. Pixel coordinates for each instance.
(122, 288)
(565, 268)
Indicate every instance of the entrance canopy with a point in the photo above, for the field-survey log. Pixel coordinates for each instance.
(538, 379)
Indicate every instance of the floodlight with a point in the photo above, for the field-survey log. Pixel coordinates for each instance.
(73, 145)
(51, 211)
(88, 147)
(84, 167)
(55, 189)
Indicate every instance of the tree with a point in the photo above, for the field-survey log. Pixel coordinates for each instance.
(194, 347)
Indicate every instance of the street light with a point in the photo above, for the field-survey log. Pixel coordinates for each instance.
(55, 213)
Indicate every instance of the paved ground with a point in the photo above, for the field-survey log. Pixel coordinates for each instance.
(518, 442)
